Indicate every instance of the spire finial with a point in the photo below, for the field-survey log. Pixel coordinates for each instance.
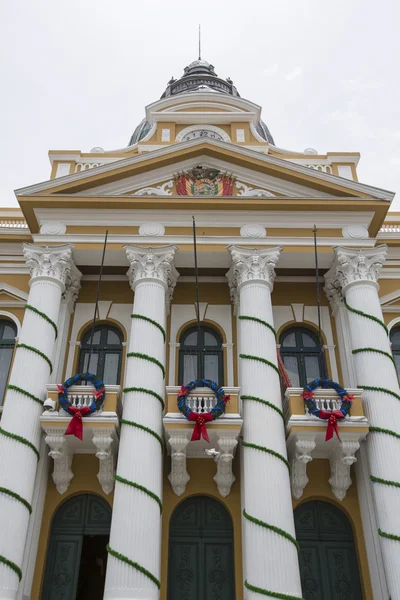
(199, 42)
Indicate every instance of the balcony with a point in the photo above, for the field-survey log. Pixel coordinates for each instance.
(306, 438)
(223, 433)
(100, 434)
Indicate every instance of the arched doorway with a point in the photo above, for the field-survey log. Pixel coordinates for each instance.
(200, 559)
(328, 559)
(77, 555)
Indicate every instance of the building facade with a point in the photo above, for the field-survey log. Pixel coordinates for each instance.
(262, 504)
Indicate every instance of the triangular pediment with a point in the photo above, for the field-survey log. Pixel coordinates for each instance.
(269, 176)
(12, 296)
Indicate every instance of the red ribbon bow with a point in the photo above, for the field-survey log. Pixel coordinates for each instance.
(226, 399)
(61, 389)
(75, 426)
(332, 417)
(98, 393)
(308, 395)
(200, 429)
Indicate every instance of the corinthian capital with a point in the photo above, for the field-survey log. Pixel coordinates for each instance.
(249, 264)
(54, 262)
(152, 264)
(352, 265)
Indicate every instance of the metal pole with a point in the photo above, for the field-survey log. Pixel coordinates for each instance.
(196, 274)
(97, 303)
(319, 301)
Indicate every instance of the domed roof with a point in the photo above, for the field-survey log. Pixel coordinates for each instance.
(199, 76)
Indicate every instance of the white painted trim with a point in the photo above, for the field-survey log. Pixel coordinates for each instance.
(212, 128)
(392, 323)
(12, 317)
(220, 105)
(13, 291)
(391, 297)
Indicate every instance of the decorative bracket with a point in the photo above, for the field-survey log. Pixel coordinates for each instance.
(341, 459)
(300, 455)
(106, 455)
(224, 478)
(178, 476)
(62, 473)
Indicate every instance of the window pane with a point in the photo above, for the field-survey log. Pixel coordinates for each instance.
(111, 369)
(209, 339)
(312, 368)
(8, 333)
(93, 362)
(112, 338)
(191, 339)
(96, 338)
(189, 368)
(289, 341)
(395, 337)
(396, 356)
(292, 368)
(5, 362)
(308, 341)
(211, 364)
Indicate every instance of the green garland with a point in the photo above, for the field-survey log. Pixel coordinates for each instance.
(366, 315)
(277, 530)
(255, 399)
(387, 431)
(25, 393)
(389, 536)
(262, 360)
(257, 320)
(38, 352)
(358, 350)
(22, 440)
(268, 450)
(258, 590)
(16, 496)
(144, 428)
(149, 358)
(372, 388)
(135, 316)
(145, 391)
(133, 564)
(141, 488)
(11, 565)
(45, 317)
(384, 481)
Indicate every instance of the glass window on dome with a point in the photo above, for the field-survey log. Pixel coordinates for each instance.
(200, 355)
(8, 333)
(106, 359)
(301, 354)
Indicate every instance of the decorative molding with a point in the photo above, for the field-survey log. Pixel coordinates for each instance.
(250, 264)
(253, 230)
(161, 190)
(351, 266)
(355, 231)
(153, 263)
(178, 476)
(72, 287)
(165, 135)
(249, 191)
(154, 229)
(13, 318)
(299, 456)
(224, 478)
(53, 262)
(341, 459)
(62, 473)
(53, 227)
(103, 441)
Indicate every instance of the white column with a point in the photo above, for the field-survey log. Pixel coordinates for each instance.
(355, 273)
(69, 298)
(133, 568)
(51, 271)
(271, 556)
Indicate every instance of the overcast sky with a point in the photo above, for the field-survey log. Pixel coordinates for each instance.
(78, 73)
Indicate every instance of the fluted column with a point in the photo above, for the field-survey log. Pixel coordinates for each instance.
(355, 274)
(270, 549)
(51, 270)
(133, 568)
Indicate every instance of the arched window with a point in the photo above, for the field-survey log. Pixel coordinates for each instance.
(301, 354)
(8, 332)
(200, 355)
(106, 356)
(395, 339)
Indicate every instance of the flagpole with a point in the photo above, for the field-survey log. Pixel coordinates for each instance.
(319, 301)
(97, 303)
(196, 275)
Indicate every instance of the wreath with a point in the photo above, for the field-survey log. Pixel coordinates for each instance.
(200, 429)
(331, 415)
(75, 426)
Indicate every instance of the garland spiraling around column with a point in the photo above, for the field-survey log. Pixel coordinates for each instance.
(141, 488)
(268, 450)
(134, 564)
(149, 358)
(145, 391)
(257, 320)
(11, 565)
(144, 428)
(22, 440)
(262, 401)
(258, 590)
(38, 352)
(143, 318)
(366, 315)
(16, 496)
(277, 530)
(358, 350)
(387, 431)
(25, 393)
(44, 316)
(379, 389)
(384, 481)
(262, 360)
(389, 536)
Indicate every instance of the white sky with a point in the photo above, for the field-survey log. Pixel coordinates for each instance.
(78, 73)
